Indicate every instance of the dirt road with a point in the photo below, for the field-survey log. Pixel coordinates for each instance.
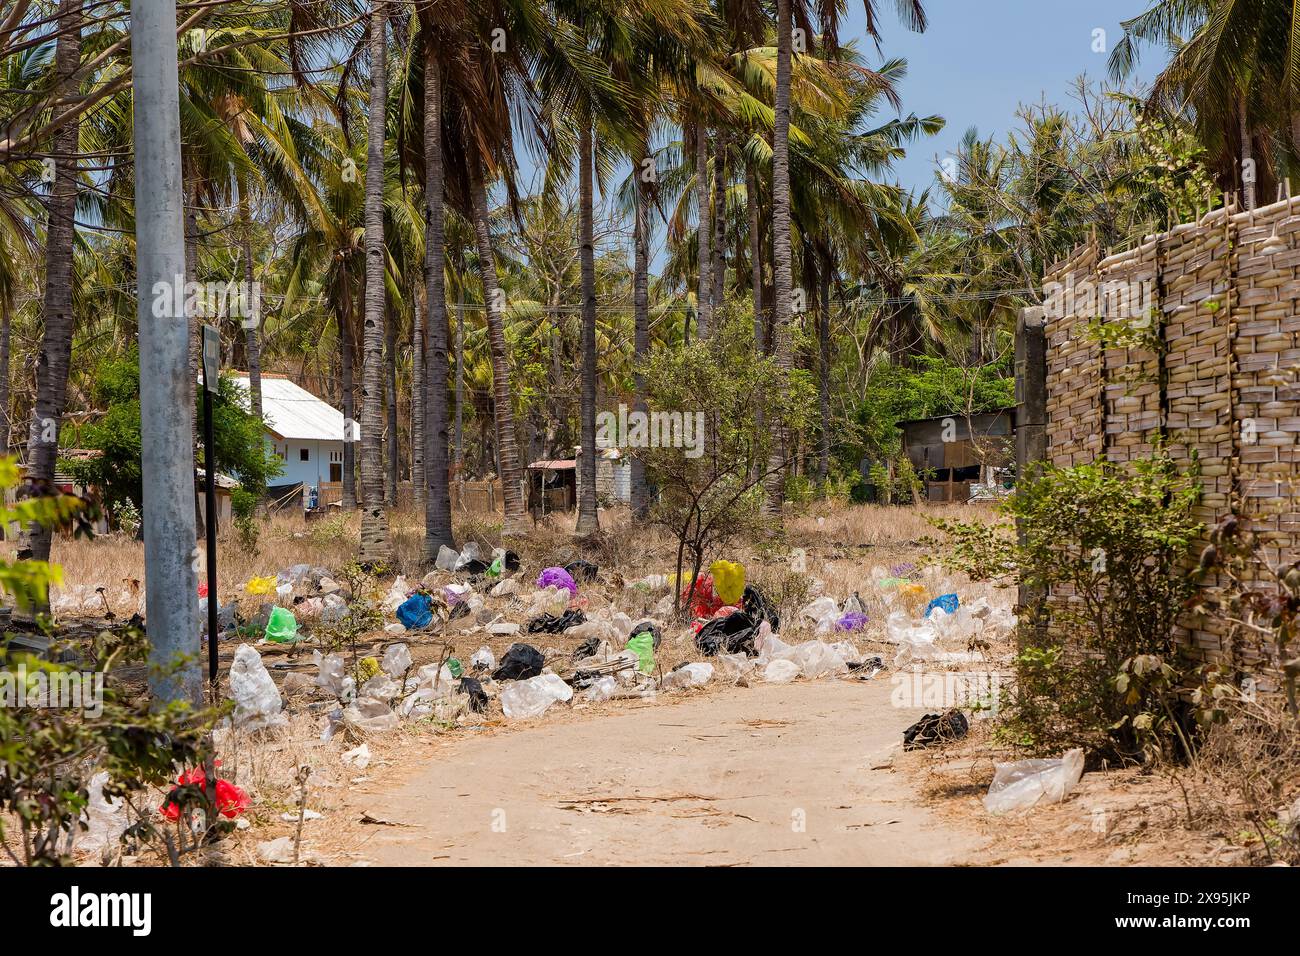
(776, 774)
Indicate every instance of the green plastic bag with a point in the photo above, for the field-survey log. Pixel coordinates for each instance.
(643, 646)
(282, 626)
(455, 667)
(494, 569)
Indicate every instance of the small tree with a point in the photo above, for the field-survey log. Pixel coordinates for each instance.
(712, 493)
(240, 446)
(1101, 669)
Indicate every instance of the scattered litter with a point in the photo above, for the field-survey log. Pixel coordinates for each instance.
(447, 558)
(602, 689)
(936, 728)
(279, 850)
(105, 817)
(728, 580)
(358, 757)
(520, 662)
(416, 612)
(647, 627)
(483, 660)
(471, 688)
(257, 701)
(552, 624)
(281, 626)
(780, 671)
(370, 716)
(946, 602)
(688, 675)
(397, 660)
(557, 578)
(1027, 783)
(643, 646)
(532, 697)
(583, 571)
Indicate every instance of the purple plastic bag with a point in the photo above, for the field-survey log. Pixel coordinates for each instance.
(557, 577)
(852, 621)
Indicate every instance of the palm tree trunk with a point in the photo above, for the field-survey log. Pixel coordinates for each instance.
(392, 440)
(640, 336)
(252, 324)
(418, 388)
(347, 386)
(824, 372)
(437, 503)
(719, 225)
(588, 520)
(56, 339)
(375, 544)
(458, 463)
(6, 328)
(755, 256)
(507, 448)
(781, 251)
(704, 232)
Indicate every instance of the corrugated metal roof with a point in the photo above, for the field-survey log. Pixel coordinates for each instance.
(296, 413)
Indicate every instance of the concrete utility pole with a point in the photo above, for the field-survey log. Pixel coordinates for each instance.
(167, 450)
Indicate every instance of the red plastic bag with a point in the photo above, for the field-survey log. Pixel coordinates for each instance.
(705, 601)
(231, 800)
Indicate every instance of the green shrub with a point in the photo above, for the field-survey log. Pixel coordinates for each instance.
(1101, 670)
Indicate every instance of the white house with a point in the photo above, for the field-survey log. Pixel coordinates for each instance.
(305, 431)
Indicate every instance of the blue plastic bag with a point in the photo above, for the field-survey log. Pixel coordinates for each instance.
(946, 602)
(415, 612)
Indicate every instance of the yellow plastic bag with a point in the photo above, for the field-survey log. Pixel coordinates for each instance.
(728, 580)
(914, 597)
(260, 585)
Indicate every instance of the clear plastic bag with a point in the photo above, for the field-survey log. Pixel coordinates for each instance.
(1027, 783)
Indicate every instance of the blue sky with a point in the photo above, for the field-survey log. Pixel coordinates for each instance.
(978, 61)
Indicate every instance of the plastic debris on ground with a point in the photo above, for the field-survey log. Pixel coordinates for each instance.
(643, 646)
(483, 660)
(557, 578)
(281, 626)
(936, 728)
(583, 571)
(520, 662)
(447, 558)
(416, 612)
(1026, 783)
(552, 624)
(257, 701)
(532, 697)
(473, 689)
(602, 689)
(260, 586)
(731, 634)
(231, 800)
(370, 715)
(688, 675)
(397, 660)
(780, 671)
(728, 580)
(946, 602)
(105, 817)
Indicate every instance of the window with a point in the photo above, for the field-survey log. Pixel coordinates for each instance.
(336, 472)
(304, 454)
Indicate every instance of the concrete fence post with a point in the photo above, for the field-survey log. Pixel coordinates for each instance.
(1031, 430)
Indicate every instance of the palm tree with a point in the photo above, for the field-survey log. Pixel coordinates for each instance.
(782, 251)
(57, 314)
(375, 544)
(437, 514)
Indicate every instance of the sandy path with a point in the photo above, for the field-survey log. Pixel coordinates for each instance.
(770, 775)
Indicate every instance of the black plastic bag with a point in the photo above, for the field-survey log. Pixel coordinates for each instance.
(550, 624)
(582, 571)
(520, 662)
(733, 634)
(935, 728)
(478, 698)
(755, 605)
